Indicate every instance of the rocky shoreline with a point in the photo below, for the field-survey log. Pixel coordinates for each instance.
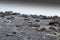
(16, 26)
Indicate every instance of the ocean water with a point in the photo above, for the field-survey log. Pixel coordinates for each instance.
(47, 10)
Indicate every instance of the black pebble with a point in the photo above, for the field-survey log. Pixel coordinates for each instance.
(14, 32)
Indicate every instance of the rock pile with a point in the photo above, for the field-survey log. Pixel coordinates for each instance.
(16, 26)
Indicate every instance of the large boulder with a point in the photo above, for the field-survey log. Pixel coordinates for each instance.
(54, 22)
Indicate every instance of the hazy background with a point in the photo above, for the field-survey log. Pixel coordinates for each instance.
(41, 9)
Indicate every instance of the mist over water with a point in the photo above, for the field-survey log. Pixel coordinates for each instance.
(31, 9)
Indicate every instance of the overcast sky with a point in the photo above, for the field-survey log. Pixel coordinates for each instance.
(32, 9)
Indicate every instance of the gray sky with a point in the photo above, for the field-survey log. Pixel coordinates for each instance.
(31, 9)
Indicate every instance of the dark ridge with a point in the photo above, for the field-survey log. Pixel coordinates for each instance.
(7, 13)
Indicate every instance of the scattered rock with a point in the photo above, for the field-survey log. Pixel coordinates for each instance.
(29, 22)
(10, 17)
(8, 21)
(18, 25)
(26, 19)
(54, 22)
(37, 20)
(35, 16)
(50, 17)
(34, 26)
(2, 14)
(58, 25)
(9, 12)
(55, 17)
(43, 29)
(59, 29)
(55, 33)
(44, 17)
(14, 32)
(53, 28)
(15, 13)
(25, 16)
(51, 23)
(9, 34)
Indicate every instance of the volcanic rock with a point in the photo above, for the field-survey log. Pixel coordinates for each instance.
(37, 20)
(54, 22)
(9, 34)
(34, 26)
(53, 28)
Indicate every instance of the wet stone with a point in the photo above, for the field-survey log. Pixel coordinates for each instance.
(25, 16)
(37, 20)
(53, 28)
(42, 29)
(18, 25)
(34, 26)
(9, 34)
(14, 32)
(27, 19)
(44, 17)
(51, 23)
(29, 22)
(55, 33)
(34, 16)
(59, 29)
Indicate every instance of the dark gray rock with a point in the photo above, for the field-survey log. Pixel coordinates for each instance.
(21, 28)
